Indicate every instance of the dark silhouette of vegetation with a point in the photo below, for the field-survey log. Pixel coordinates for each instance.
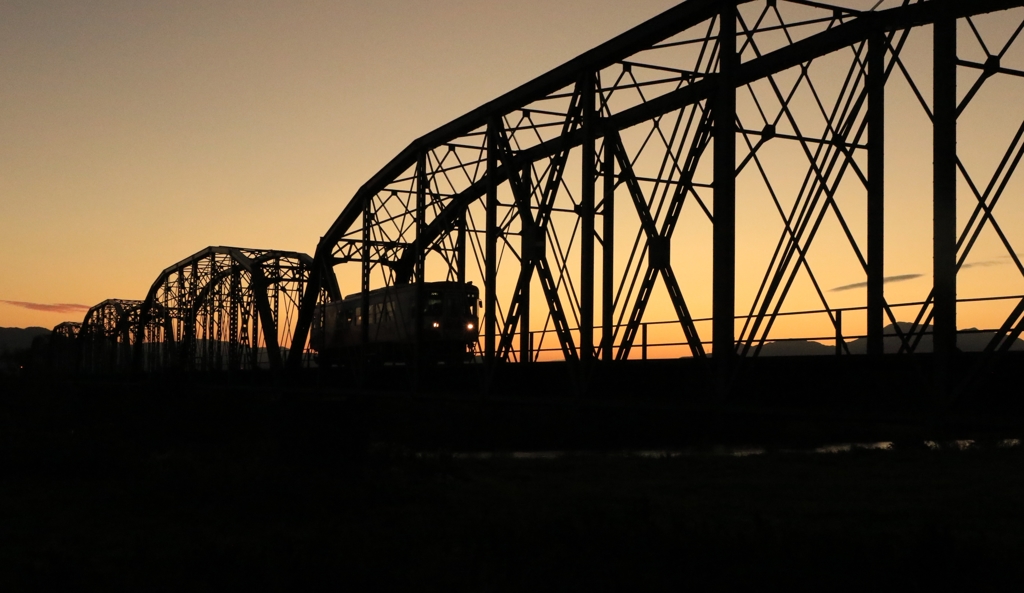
(25, 353)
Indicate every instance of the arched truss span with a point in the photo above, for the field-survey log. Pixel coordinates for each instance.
(64, 346)
(107, 334)
(223, 308)
(612, 185)
(67, 330)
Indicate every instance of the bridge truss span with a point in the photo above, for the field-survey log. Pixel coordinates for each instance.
(106, 335)
(223, 308)
(718, 166)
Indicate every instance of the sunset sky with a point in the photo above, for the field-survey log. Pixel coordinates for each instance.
(134, 134)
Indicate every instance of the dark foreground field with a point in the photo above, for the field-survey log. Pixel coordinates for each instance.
(134, 488)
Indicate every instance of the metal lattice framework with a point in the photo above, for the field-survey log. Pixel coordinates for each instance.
(611, 186)
(67, 330)
(64, 351)
(107, 335)
(223, 308)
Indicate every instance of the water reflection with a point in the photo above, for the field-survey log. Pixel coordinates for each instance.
(847, 447)
(964, 445)
(742, 451)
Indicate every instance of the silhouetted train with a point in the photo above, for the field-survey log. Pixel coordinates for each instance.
(450, 326)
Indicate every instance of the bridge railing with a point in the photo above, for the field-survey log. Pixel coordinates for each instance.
(900, 337)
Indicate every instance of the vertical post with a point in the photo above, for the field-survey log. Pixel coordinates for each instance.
(234, 348)
(421, 214)
(589, 155)
(724, 239)
(460, 248)
(529, 237)
(254, 340)
(876, 191)
(364, 300)
(944, 172)
(608, 253)
(190, 320)
(420, 272)
(643, 341)
(839, 332)
(491, 248)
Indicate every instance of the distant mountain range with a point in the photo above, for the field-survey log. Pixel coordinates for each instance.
(970, 340)
(17, 338)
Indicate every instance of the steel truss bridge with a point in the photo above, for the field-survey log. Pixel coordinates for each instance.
(223, 308)
(617, 194)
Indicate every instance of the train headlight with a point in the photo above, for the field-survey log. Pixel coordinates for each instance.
(436, 325)
(469, 326)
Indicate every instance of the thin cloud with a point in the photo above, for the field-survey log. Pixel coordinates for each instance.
(987, 263)
(886, 280)
(1001, 261)
(49, 308)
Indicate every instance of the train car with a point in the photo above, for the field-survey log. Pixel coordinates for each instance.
(450, 325)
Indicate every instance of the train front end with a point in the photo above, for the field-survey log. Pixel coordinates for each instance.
(450, 317)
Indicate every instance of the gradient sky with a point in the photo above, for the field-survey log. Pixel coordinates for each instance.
(133, 134)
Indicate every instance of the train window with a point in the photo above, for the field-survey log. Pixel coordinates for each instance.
(471, 302)
(435, 304)
(381, 312)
